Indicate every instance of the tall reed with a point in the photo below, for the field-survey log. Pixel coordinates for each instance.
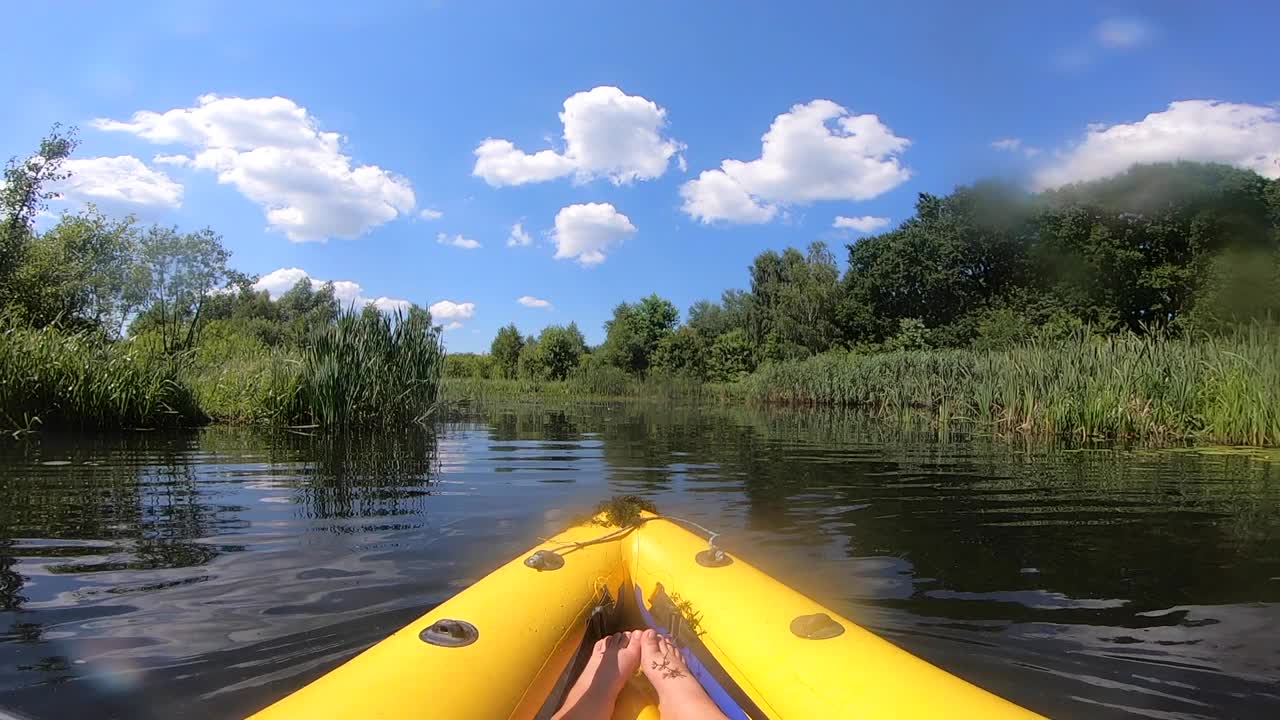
(50, 378)
(1218, 389)
(371, 369)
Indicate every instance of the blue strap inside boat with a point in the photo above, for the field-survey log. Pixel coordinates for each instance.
(714, 690)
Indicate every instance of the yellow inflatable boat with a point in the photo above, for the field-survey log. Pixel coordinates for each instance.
(510, 645)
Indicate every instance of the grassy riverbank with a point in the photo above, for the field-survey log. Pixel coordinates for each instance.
(1220, 389)
(362, 370)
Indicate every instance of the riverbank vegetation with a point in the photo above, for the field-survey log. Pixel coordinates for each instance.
(1139, 306)
(107, 323)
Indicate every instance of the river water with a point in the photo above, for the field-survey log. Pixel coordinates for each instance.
(206, 574)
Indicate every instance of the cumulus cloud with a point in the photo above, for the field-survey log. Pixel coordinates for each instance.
(465, 243)
(1246, 136)
(452, 326)
(518, 237)
(450, 310)
(273, 151)
(348, 293)
(1119, 33)
(430, 214)
(530, 301)
(121, 182)
(863, 224)
(607, 134)
(815, 151)
(584, 232)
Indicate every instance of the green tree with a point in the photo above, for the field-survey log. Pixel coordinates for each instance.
(955, 256)
(81, 273)
(24, 193)
(794, 297)
(730, 357)
(683, 351)
(560, 350)
(180, 271)
(712, 320)
(1131, 251)
(505, 351)
(633, 334)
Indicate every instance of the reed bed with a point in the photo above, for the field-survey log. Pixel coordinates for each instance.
(371, 370)
(55, 379)
(1223, 389)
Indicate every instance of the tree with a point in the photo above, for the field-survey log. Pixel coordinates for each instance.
(633, 334)
(794, 296)
(505, 351)
(958, 254)
(1131, 251)
(683, 351)
(730, 357)
(560, 350)
(180, 271)
(81, 273)
(24, 193)
(712, 320)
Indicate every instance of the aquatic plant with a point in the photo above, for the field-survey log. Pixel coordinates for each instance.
(371, 369)
(1222, 389)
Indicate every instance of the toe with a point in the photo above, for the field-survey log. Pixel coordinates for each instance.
(649, 642)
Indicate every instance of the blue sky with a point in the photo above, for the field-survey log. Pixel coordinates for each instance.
(286, 126)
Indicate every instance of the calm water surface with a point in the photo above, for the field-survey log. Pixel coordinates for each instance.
(205, 575)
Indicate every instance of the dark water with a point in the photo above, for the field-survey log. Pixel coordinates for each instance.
(206, 575)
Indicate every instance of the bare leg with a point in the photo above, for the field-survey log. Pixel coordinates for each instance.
(680, 697)
(613, 660)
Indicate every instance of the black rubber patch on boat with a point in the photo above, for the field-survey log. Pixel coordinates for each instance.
(713, 558)
(818, 626)
(544, 560)
(450, 633)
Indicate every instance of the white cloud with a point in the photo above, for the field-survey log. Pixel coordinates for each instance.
(1119, 33)
(518, 237)
(452, 326)
(530, 301)
(348, 293)
(816, 151)
(273, 152)
(585, 231)
(1014, 145)
(863, 224)
(123, 181)
(607, 134)
(501, 163)
(457, 241)
(450, 310)
(430, 214)
(1246, 136)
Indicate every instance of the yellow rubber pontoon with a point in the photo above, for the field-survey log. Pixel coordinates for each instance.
(509, 646)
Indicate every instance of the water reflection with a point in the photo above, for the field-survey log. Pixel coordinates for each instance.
(151, 570)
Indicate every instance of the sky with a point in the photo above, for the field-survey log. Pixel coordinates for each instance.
(539, 163)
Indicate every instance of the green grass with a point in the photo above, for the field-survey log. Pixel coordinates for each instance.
(1221, 390)
(362, 371)
(371, 370)
(591, 383)
(53, 379)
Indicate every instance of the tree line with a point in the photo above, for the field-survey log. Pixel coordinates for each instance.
(117, 277)
(1170, 248)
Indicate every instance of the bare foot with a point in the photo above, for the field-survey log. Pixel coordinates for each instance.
(613, 660)
(680, 697)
